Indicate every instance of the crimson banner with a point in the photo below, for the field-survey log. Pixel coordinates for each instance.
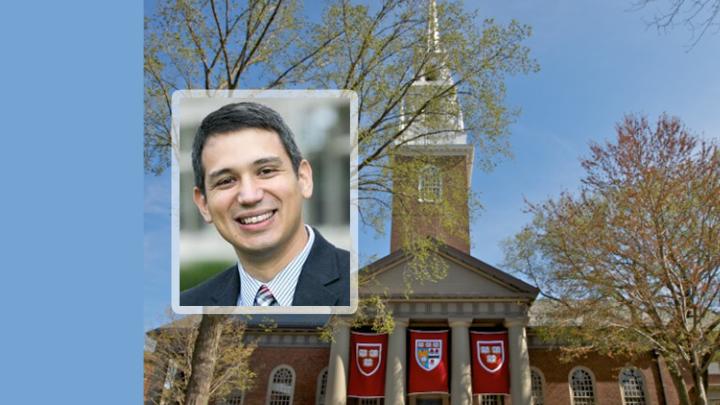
(368, 356)
(428, 362)
(490, 362)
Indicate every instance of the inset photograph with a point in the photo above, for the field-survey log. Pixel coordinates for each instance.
(262, 202)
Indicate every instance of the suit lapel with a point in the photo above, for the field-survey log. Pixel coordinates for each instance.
(228, 294)
(318, 271)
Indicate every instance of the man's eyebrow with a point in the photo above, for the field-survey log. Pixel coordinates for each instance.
(266, 160)
(259, 162)
(218, 173)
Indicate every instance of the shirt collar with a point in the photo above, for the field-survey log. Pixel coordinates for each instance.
(282, 286)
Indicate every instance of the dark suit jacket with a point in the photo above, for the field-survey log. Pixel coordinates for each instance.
(324, 281)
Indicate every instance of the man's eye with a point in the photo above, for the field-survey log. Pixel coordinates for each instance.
(223, 182)
(266, 171)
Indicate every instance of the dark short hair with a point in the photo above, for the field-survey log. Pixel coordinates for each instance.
(234, 117)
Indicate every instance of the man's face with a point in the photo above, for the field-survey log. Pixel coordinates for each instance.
(252, 195)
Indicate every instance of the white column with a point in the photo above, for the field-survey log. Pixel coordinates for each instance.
(395, 373)
(520, 390)
(338, 368)
(461, 378)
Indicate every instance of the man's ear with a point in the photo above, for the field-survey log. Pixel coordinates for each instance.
(305, 179)
(201, 203)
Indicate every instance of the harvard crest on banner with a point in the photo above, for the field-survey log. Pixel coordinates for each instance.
(428, 353)
(491, 354)
(428, 368)
(490, 365)
(368, 356)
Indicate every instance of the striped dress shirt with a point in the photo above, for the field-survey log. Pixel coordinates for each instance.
(282, 286)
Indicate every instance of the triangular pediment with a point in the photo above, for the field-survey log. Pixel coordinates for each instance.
(467, 278)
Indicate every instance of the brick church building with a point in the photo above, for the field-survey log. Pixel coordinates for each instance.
(294, 366)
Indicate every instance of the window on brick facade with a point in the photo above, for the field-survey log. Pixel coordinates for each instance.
(536, 386)
(632, 386)
(321, 387)
(236, 398)
(492, 400)
(430, 185)
(281, 386)
(582, 387)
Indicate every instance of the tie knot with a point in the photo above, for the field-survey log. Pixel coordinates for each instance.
(264, 297)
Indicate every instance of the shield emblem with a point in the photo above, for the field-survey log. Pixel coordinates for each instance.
(428, 353)
(367, 357)
(491, 354)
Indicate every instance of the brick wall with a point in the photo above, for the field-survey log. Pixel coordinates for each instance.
(605, 371)
(454, 177)
(307, 362)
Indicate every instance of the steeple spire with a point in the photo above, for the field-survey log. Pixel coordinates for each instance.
(433, 158)
(436, 69)
(442, 120)
(433, 32)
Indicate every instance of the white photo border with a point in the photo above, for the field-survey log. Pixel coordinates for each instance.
(246, 95)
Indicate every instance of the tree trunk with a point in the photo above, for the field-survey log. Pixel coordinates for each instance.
(681, 387)
(699, 381)
(203, 359)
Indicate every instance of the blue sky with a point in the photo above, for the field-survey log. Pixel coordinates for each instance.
(599, 61)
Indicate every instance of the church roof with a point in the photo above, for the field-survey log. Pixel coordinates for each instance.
(467, 278)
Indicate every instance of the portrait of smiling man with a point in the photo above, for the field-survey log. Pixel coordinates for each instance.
(250, 183)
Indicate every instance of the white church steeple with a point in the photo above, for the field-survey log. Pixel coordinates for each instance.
(433, 96)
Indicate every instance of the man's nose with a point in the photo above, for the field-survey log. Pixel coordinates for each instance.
(250, 193)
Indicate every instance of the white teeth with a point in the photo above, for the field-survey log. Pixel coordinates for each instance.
(256, 219)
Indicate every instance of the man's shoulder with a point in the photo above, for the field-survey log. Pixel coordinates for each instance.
(325, 279)
(343, 262)
(222, 289)
(323, 247)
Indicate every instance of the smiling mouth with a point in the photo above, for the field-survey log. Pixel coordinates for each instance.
(257, 218)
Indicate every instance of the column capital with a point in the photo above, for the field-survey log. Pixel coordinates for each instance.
(340, 329)
(520, 321)
(459, 322)
(341, 325)
(401, 322)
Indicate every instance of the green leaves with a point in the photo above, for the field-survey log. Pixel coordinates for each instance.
(632, 260)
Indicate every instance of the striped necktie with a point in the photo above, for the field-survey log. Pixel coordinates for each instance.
(264, 297)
